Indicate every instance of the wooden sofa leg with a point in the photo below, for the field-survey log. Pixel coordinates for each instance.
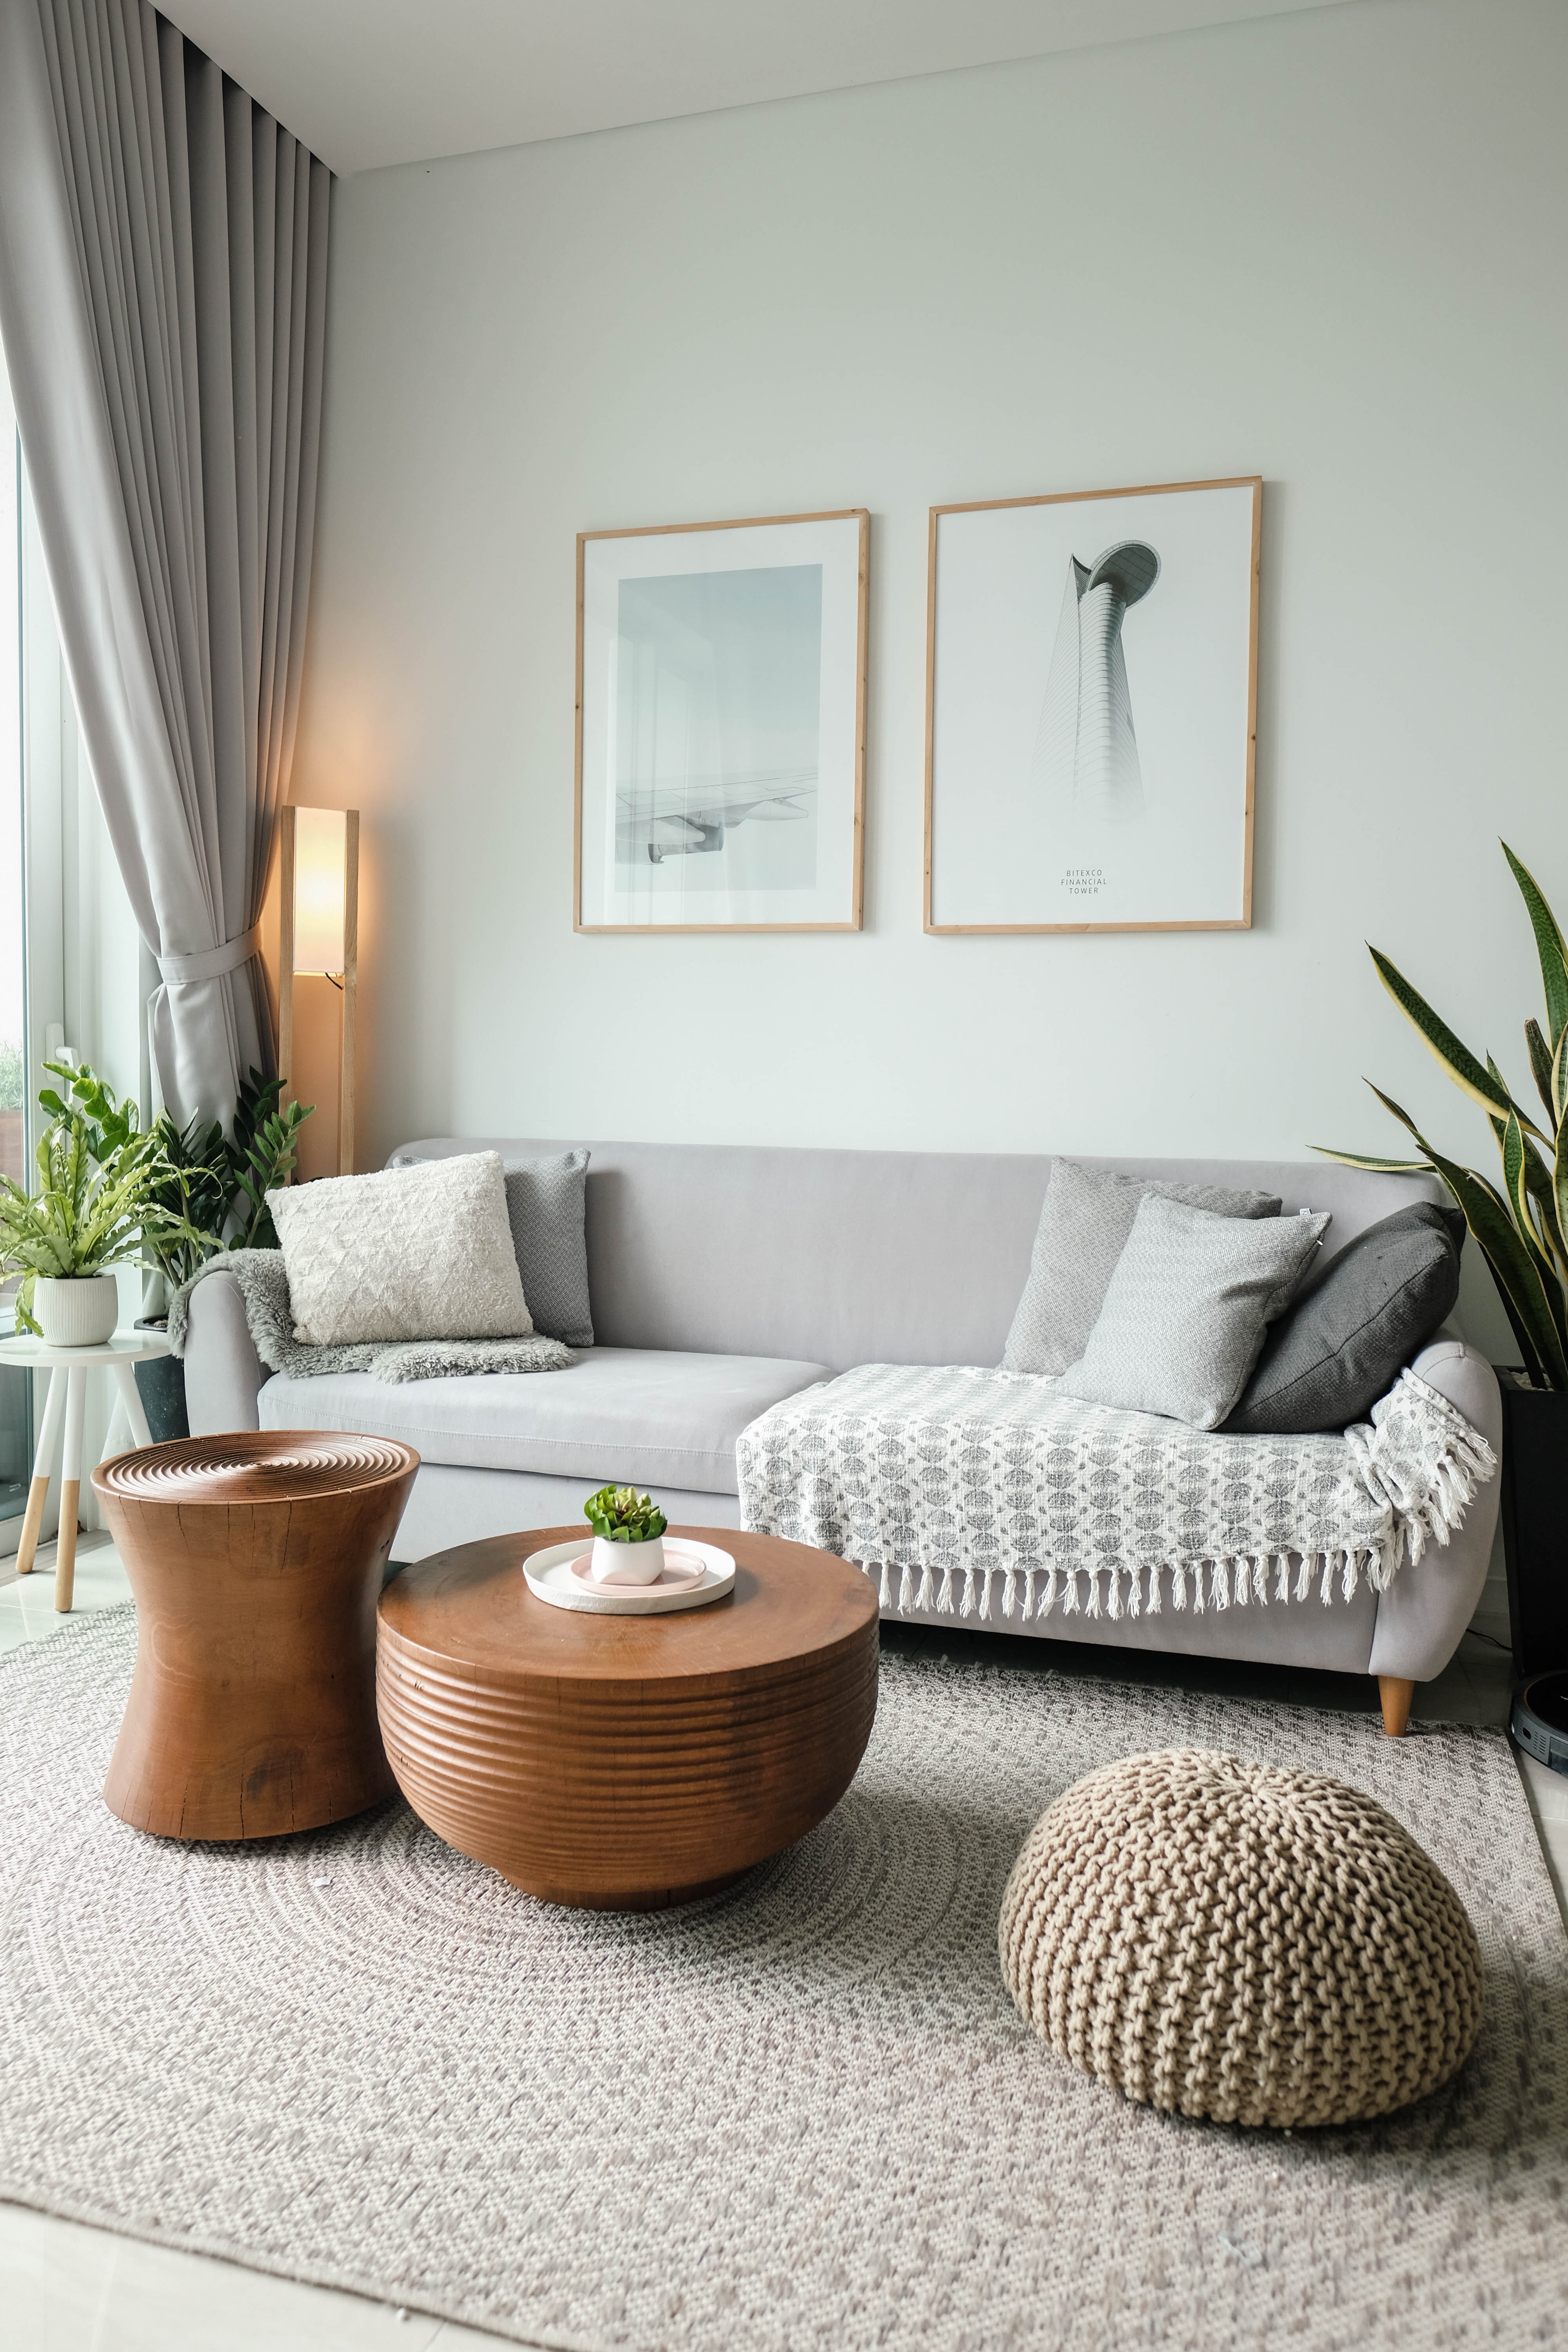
(1397, 1694)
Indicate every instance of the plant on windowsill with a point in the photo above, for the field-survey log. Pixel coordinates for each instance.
(1523, 1230)
(95, 1209)
(629, 1536)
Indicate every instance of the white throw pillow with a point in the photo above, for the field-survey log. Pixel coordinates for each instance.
(407, 1254)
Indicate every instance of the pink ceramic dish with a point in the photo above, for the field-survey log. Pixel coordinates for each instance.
(677, 1575)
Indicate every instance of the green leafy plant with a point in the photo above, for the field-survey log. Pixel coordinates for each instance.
(1523, 1228)
(94, 1207)
(621, 1515)
(217, 1185)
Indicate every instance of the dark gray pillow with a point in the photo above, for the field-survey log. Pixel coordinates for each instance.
(1341, 1347)
(1083, 1230)
(545, 1201)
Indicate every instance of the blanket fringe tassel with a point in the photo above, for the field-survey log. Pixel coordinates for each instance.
(1466, 1463)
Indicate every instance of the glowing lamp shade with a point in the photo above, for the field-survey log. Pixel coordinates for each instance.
(319, 934)
(320, 888)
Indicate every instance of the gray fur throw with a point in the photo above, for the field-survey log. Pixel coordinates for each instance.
(264, 1286)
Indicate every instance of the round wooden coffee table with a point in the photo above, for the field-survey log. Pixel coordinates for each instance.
(626, 1762)
(255, 1561)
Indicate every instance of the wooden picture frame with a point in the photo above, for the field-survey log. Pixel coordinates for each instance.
(686, 825)
(1231, 792)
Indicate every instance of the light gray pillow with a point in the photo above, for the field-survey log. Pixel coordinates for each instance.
(1186, 1310)
(421, 1253)
(546, 1203)
(1083, 1229)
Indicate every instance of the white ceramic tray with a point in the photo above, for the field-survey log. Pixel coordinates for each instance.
(550, 1577)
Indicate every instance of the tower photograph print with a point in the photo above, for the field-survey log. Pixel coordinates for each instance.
(1091, 680)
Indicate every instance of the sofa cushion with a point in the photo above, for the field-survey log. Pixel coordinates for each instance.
(635, 1415)
(1344, 1344)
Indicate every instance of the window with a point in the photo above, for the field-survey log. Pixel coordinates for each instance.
(15, 1387)
(73, 972)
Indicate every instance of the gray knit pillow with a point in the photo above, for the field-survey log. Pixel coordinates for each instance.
(1083, 1229)
(1186, 1310)
(545, 1204)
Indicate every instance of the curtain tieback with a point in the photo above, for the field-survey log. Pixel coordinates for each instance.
(211, 964)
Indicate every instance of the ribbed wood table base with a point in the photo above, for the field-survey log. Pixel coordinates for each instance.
(257, 1561)
(622, 1763)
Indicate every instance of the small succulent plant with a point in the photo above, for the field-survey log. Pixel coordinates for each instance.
(621, 1515)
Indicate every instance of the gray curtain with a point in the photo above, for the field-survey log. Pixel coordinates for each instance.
(162, 300)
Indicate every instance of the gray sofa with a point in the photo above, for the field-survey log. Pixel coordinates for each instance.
(725, 1278)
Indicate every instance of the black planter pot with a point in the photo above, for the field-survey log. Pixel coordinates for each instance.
(162, 1382)
(1535, 1522)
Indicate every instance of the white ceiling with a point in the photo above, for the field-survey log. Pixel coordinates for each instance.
(366, 82)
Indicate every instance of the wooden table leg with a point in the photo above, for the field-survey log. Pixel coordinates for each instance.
(1395, 1693)
(37, 1492)
(70, 1486)
(131, 1398)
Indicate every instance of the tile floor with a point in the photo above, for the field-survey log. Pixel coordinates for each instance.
(66, 2288)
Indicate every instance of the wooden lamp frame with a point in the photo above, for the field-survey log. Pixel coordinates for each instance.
(288, 837)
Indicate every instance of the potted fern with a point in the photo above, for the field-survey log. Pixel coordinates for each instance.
(95, 1208)
(1521, 1227)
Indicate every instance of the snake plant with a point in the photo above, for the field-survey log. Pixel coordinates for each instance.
(1523, 1228)
(621, 1515)
(94, 1207)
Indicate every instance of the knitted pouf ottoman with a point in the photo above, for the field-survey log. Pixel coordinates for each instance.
(1228, 1941)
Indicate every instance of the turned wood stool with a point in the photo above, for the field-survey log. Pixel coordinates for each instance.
(256, 1561)
(622, 1763)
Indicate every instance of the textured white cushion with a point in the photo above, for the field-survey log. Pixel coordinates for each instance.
(407, 1254)
(1187, 1309)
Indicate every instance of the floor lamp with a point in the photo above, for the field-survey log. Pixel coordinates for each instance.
(319, 925)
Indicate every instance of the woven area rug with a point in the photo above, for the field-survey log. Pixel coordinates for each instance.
(800, 2115)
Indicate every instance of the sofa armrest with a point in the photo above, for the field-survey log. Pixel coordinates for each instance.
(1426, 1608)
(224, 1374)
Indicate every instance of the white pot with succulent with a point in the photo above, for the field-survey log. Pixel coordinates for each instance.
(629, 1536)
(94, 1210)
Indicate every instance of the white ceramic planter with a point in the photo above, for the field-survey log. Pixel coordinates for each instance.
(76, 1311)
(628, 1563)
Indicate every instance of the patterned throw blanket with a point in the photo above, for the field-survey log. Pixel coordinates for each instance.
(264, 1288)
(948, 1477)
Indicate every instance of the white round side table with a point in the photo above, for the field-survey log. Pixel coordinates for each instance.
(67, 1368)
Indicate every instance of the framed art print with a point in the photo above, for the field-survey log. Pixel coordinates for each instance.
(1092, 692)
(721, 725)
